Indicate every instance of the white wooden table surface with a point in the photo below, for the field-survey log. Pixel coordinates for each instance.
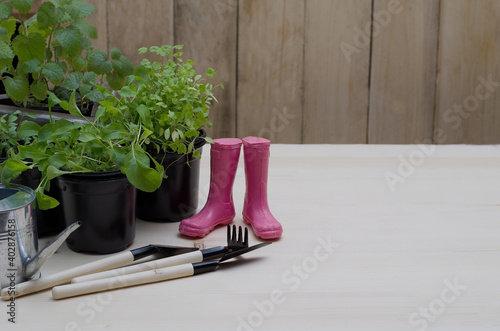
(375, 238)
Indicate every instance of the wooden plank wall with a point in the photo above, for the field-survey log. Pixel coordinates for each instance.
(331, 71)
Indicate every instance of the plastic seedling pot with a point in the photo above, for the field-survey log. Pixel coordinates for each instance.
(177, 197)
(105, 204)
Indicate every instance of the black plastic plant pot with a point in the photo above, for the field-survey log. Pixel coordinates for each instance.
(105, 204)
(86, 108)
(51, 221)
(177, 197)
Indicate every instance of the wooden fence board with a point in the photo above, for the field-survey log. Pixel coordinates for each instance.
(270, 69)
(208, 31)
(335, 77)
(467, 107)
(299, 70)
(403, 71)
(136, 23)
(100, 19)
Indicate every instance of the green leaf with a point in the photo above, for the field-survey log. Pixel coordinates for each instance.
(87, 136)
(17, 88)
(44, 201)
(113, 131)
(31, 152)
(29, 47)
(119, 155)
(123, 66)
(8, 27)
(28, 129)
(85, 89)
(81, 9)
(127, 92)
(209, 140)
(62, 126)
(144, 114)
(71, 106)
(89, 78)
(138, 171)
(142, 72)
(95, 96)
(5, 10)
(72, 81)
(53, 99)
(98, 62)
(78, 63)
(58, 160)
(69, 38)
(85, 27)
(16, 165)
(47, 15)
(23, 6)
(115, 81)
(39, 90)
(11, 169)
(115, 54)
(31, 66)
(85, 43)
(6, 54)
(210, 73)
(175, 135)
(53, 72)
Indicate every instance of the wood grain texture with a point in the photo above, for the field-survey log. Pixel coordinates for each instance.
(353, 255)
(270, 69)
(403, 71)
(100, 20)
(136, 23)
(208, 31)
(335, 80)
(467, 107)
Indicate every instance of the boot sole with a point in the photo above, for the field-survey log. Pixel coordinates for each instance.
(263, 234)
(197, 232)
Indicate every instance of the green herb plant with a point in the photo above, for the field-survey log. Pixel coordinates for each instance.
(52, 52)
(64, 147)
(12, 133)
(166, 98)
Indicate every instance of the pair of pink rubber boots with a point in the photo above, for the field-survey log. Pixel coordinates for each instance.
(219, 209)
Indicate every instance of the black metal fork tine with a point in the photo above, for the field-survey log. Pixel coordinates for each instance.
(234, 240)
(237, 239)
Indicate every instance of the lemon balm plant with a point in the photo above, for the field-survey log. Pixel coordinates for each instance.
(170, 102)
(51, 52)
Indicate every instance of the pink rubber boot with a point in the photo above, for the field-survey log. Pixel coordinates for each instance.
(255, 208)
(219, 209)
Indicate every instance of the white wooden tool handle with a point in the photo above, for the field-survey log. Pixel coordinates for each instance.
(99, 285)
(43, 283)
(191, 257)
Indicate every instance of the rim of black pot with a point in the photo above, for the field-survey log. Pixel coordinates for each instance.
(95, 175)
(86, 111)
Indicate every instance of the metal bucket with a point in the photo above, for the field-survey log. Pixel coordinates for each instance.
(18, 232)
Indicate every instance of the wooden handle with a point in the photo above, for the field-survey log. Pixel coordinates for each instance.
(43, 283)
(192, 257)
(144, 277)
